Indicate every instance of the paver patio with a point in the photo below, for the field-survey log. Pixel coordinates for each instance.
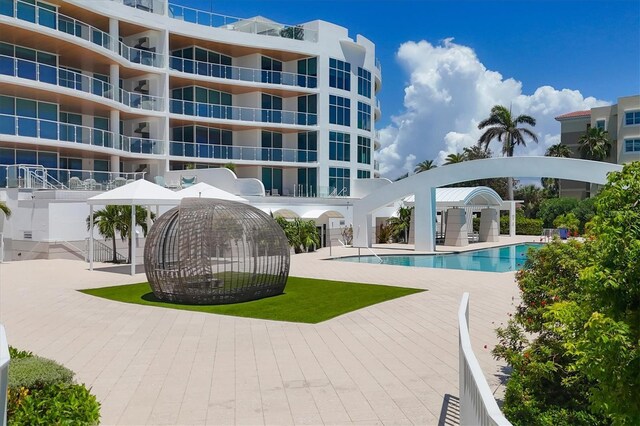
(391, 363)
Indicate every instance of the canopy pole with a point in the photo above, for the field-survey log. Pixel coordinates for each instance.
(91, 237)
(132, 230)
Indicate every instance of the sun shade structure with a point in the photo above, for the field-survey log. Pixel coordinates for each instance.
(204, 190)
(138, 193)
(210, 251)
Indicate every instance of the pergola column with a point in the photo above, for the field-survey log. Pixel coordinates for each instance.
(512, 218)
(489, 225)
(456, 233)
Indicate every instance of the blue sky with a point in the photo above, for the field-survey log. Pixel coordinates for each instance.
(592, 47)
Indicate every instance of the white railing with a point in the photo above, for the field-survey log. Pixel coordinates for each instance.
(231, 72)
(251, 25)
(141, 56)
(4, 375)
(477, 405)
(30, 176)
(153, 6)
(228, 112)
(250, 153)
(22, 68)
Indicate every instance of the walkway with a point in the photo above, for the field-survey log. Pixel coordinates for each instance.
(393, 363)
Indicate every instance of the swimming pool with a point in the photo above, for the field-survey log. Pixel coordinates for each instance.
(498, 259)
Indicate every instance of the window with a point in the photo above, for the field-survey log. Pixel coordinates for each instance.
(339, 181)
(339, 74)
(339, 110)
(364, 174)
(364, 150)
(631, 118)
(632, 145)
(364, 116)
(364, 82)
(203, 62)
(600, 124)
(271, 146)
(271, 108)
(272, 180)
(204, 137)
(307, 147)
(307, 181)
(308, 72)
(271, 70)
(209, 103)
(308, 110)
(339, 146)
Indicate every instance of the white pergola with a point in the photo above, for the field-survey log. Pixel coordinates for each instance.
(138, 193)
(204, 190)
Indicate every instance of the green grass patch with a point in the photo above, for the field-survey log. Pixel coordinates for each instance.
(304, 300)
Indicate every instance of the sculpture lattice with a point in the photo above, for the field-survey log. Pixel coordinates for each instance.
(209, 251)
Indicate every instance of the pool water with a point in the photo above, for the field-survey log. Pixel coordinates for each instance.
(498, 259)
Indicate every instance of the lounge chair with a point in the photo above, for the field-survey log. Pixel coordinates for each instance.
(119, 181)
(75, 183)
(91, 185)
(186, 182)
(159, 180)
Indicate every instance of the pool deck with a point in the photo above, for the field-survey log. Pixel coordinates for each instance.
(391, 363)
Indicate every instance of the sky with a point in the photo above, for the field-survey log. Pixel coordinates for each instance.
(446, 63)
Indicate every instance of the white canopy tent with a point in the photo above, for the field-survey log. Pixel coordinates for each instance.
(138, 193)
(204, 190)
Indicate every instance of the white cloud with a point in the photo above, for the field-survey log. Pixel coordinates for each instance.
(449, 92)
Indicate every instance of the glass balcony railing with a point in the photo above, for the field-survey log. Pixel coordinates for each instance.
(243, 74)
(64, 132)
(44, 73)
(249, 153)
(48, 16)
(259, 26)
(226, 112)
(33, 176)
(153, 6)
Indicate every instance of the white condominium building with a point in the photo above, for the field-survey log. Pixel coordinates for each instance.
(107, 90)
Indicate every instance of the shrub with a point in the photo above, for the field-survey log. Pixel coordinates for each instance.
(584, 211)
(57, 404)
(35, 373)
(569, 221)
(16, 353)
(524, 226)
(551, 208)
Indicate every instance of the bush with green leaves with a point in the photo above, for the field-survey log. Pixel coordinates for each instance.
(574, 342)
(567, 221)
(524, 226)
(302, 234)
(41, 392)
(551, 208)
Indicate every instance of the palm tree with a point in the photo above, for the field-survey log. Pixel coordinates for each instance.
(454, 158)
(109, 221)
(476, 152)
(5, 209)
(501, 125)
(141, 221)
(424, 166)
(402, 223)
(595, 144)
(558, 150)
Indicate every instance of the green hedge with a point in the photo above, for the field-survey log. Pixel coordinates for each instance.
(42, 392)
(524, 226)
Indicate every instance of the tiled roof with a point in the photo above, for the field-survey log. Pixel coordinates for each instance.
(574, 114)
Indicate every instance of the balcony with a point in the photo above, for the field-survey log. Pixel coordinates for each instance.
(259, 115)
(242, 74)
(30, 176)
(257, 25)
(62, 132)
(48, 16)
(376, 165)
(21, 68)
(248, 153)
(153, 6)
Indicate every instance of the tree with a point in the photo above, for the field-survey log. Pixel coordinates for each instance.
(400, 225)
(532, 197)
(454, 159)
(424, 166)
(109, 221)
(5, 209)
(595, 144)
(404, 176)
(301, 234)
(551, 208)
(557, 150)
(476, 152)
(501, 125)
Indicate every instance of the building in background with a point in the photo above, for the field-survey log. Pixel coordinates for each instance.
(622, 123)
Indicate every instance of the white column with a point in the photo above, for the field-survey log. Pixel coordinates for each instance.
(512, 218)
(133, 239)
(114, 79)
(489, 225)
(91, 237)
(425, 213)
(456, 233)
(114, 32)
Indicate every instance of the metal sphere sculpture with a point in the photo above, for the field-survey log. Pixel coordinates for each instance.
(209, 251)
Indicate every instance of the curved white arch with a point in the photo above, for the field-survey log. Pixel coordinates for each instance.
(317, 214)
(423, 186)
(465, 196)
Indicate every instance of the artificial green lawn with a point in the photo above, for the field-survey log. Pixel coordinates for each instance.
(304, 300)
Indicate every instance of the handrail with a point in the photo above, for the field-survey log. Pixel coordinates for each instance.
(141, 56)
(373, 253)
(248, 25)
(231, 72)
(228, 112)
(103, 253)
(20, 176)
(4, 374)
(249, 153)
(477, 404)
(64, 132)
(59, 76)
